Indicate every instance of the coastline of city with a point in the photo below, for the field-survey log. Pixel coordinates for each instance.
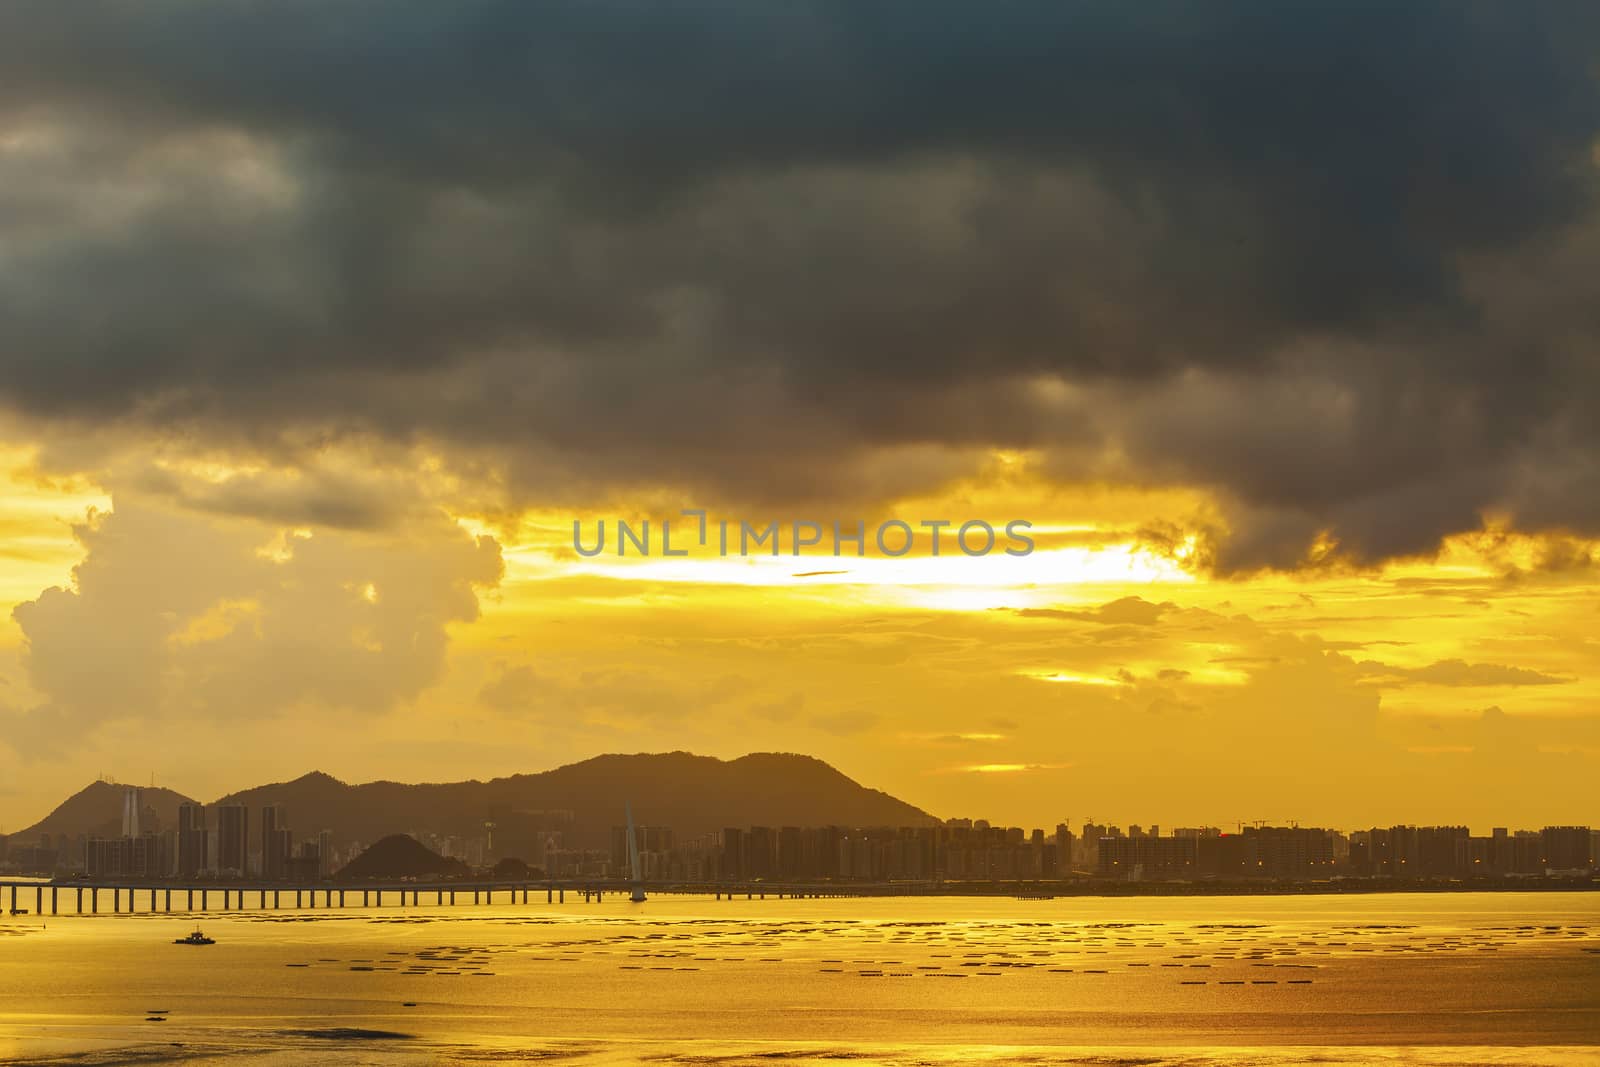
(232, 845)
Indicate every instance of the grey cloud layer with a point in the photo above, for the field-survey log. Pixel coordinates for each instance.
(1331, 259)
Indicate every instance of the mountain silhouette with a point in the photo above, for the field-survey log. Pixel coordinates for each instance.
(97, 809)
(694, 795)
(400, 856)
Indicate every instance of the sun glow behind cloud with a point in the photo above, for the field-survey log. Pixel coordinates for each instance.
(949, 582)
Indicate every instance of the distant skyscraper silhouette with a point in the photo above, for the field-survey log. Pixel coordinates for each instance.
(274, 846)
(130, 813)
(233, 838)
(634, 874)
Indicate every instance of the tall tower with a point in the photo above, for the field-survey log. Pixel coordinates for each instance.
(130, 813)
(637, 877)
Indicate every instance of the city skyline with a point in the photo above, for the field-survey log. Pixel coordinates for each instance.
(270, 844)
(523, 844)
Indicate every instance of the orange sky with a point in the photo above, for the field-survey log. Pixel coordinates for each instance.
(1099, 676)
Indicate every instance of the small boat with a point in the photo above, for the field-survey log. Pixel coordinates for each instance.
(196, 938)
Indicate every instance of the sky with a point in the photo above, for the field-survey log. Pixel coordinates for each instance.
(321, 325)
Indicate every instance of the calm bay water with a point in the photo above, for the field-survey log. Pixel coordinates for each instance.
(1497, 978)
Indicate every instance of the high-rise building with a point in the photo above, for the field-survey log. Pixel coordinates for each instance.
(191, 839)
(1064, 849)
(128, 857)
(1565, 848)
(275, 845)
(1142, 856)
(791, 860)
(130, 813)
(760, 852)
(732, 854)
(233, 839)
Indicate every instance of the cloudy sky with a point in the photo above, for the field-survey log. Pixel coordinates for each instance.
(321, 323)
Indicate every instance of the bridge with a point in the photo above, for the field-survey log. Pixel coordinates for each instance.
(80, 897)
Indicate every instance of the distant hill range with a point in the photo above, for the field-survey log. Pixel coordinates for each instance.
(693, 795)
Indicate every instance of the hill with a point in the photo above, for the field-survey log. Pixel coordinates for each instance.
(97, 809)
(400, 856)
(694, 795)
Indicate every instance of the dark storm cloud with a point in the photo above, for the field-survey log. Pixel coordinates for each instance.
(1330, 259)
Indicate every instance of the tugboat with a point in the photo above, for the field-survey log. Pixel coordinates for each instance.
(196, 938)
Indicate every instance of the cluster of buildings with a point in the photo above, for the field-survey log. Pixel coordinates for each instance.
(214, 843)
(963, 850)
(974, 851)
(231, 841)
